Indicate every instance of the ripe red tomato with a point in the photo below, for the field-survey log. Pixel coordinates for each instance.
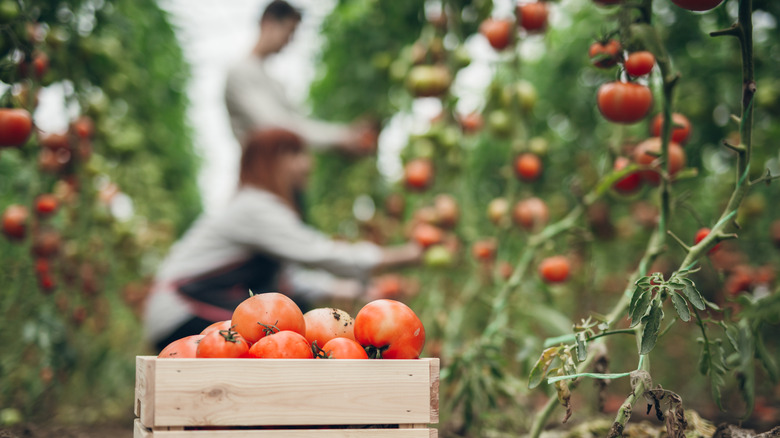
(639, 63)
(217, 326)
(528, 167)
(605, 54)
(326, 323)
(222, 344)
(15, 126)
(46, 204)
(700, 235)
(419, 173)
(697, 5)
(647, 152)
(498, 32)
(54, 141)
(282, 345)
(343, 348)
(629, 183)
(484, 250)
(447, 211)
(389, 329)
(181, 348)
(15, 221)
(681, 127)
(532, 16)
(427, 235)
(531, 213)
(624, 102)
(555, 269)
(266, 313)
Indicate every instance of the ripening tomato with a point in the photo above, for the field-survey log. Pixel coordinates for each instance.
(532, 16)
(263, 314)
(639, 63)
(46, 242)
(181, 348)
(395, 204)
(647, 153)
(605, 54)
(681, 127)
(15, 126)
(555, 269)
(528, 167)
(54, 141)
(282, 345)
(222, 344)
(389, 329)
(418, 173)
(46, 204)
(83, 127)
(342, 348)
(471, 122)
(484, 250)
(697, 5)
(629, 183)
(217, 326)
(15, 221)
(427, 235)
(498, 210)
(700, 235)
(531, 213)
(498, 32)
(326, 323)
(447, 211)
(624, 102)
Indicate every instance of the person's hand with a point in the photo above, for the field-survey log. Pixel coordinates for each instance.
(362, 139)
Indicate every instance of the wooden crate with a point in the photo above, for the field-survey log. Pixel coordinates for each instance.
(269, 398)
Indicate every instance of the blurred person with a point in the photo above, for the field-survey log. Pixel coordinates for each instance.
(256, 100)
(259, 242)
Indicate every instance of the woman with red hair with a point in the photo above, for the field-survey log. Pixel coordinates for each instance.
(259, 242)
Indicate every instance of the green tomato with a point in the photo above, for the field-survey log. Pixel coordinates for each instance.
(9, 10)
(438, 256)
(499, 122)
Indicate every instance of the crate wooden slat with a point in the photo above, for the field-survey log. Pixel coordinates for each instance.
(143, 432)
(176, 393)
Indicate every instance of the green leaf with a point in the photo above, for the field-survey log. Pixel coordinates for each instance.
(643, 303)
(634, 298)
(705, 358)
(652, 323)
(732, 334)
(681, 307)
(539, 370)
(746, 371)
(766, 359)
(582, 351)
(693, 295)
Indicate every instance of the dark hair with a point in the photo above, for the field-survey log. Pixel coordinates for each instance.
(279, 10)
(260, 161)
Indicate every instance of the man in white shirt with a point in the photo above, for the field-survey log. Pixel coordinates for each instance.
(255, 100)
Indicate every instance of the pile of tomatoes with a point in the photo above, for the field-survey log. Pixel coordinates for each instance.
(272, 326)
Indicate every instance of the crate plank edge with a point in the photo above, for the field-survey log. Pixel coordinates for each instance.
(175, 395)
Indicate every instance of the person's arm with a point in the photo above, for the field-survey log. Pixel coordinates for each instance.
(260, 221)
(256, 101)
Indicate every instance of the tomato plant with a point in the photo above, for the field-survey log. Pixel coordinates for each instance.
(647, 152)
(629, 183)
(389, 329)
